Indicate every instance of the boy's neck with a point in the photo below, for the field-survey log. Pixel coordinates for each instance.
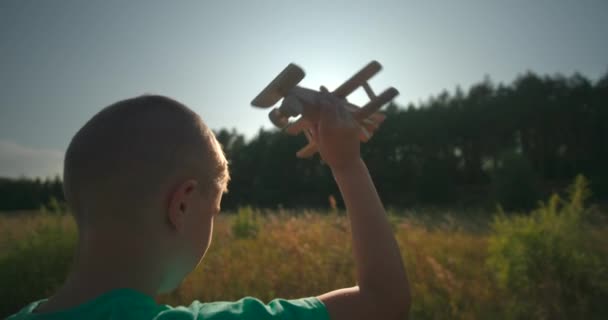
(101, 267)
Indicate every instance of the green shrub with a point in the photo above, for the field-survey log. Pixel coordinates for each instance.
(393, 219)
(545, 261)
(54, 207)
(514, 182)
(35, 266)
(246, 224)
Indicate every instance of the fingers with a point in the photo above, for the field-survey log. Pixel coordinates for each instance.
(329, 111)
(314, 133)
(345, 117)
(333, 112)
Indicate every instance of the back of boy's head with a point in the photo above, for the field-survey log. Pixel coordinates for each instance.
(121, 163)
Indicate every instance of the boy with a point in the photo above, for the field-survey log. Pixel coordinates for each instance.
(144, 178)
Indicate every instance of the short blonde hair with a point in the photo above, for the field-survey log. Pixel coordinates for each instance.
(125, 155)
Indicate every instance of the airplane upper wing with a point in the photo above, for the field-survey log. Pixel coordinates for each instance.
(279, 86)
(358, 79)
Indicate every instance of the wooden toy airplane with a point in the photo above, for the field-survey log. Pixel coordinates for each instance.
(303, 101)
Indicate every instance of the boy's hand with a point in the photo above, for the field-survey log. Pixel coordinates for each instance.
(336, 133)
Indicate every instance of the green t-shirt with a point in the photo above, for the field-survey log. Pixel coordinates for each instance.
(131, 304)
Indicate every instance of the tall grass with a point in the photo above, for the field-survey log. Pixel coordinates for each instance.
(548, 262)
(35, 257)
(455, 272)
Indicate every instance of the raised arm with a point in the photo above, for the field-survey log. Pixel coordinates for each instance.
(383, 289)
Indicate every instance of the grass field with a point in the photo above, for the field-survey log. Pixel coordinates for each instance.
(456, 262)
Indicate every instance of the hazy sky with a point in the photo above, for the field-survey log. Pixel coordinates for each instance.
(62, 61)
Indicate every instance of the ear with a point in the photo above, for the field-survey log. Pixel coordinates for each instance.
(180, 201)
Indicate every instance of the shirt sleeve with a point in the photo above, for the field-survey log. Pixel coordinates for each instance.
(251, 308)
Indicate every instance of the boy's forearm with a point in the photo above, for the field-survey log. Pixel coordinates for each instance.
(380, 270)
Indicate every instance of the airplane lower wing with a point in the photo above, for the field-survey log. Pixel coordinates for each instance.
(369, 126)
(297, 126)
(375, 104)
(308, 151)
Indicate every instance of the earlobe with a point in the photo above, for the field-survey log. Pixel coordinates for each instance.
(178, 203)
(175, 213)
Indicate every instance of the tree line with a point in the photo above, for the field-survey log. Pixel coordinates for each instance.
(512, 144)
(30, 194)
(495, 143)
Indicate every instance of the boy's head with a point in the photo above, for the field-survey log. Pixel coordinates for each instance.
(147, 170)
